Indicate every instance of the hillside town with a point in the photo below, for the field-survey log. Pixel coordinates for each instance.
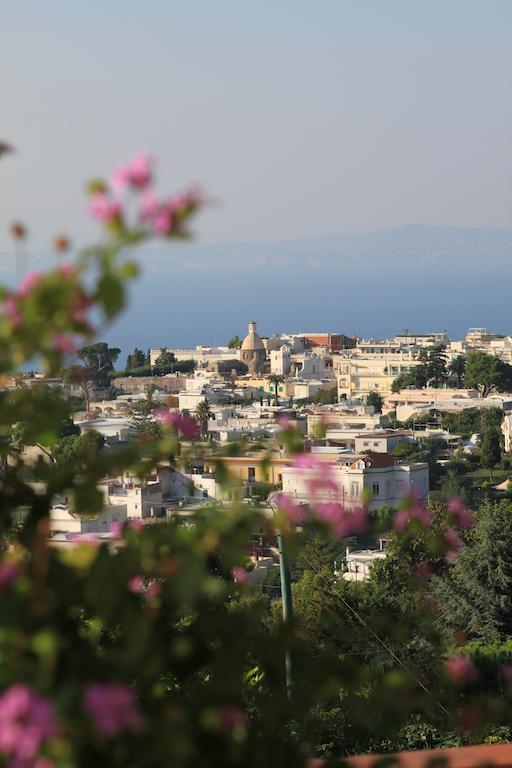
(419, 415)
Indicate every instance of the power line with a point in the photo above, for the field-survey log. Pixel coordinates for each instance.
(372, 633)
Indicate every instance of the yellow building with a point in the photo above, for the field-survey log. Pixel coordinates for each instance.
(358, 375)
(264, 388)
(248, 469)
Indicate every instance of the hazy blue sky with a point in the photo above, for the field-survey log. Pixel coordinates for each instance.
(302, 117)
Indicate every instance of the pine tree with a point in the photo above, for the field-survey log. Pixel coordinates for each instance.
(491, 447)
(476, 594)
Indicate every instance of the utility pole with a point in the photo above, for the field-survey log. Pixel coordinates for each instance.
(286, 598)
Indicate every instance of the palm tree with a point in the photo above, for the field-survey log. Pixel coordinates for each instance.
(275, 379)
(203, 414)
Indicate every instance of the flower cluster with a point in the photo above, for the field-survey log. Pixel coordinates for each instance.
(416, 513)
(162, 217)
(460, 514)
(342, 522)
(113, 709)
(185, 425)
(27, 722)
(292, 511)
(56, 301)
(461, 670)
(9, 572)
(149, 588)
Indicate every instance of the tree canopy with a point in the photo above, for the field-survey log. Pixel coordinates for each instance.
(100, 358)
(487, 373)
(375, 399)
(165, 359)
(135, 359)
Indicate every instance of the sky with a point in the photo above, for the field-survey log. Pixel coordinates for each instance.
(299, 118)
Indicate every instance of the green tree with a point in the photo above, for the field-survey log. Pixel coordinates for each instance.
(326, 396)
(457, 369)
(203, 414)
(417, 379)
(434, 365)
(68, 427)
(491, 447)
(487, 373)
(235, 343)
(100, 358)
(375, 399)
(475, 596)
(274, 380)
(76, 451)
(136, 359)
(165, 359)
(143, 425)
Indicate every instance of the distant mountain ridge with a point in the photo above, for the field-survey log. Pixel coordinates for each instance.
(423, 242)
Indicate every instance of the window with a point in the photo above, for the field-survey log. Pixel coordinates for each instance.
(251, 474)
(375, 489)
(375, 442)
(366, 443)
(280, 479)
(354, 489)
(281, 389)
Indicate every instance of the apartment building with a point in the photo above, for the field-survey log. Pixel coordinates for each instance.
(359, 374)
(358, 478)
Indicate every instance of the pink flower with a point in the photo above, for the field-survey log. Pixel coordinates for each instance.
(28, 283)
(116, 528)
(461, 514)
(284, 421)
(454, 543)
(152, 589)
(232, 716)
(64, 344)
(293, 512)
(66, 270)
(12, 311)
(239, 574)
(104, 208)
(9, 572)
(461, 669)
(113, 708)
(27, 721)
(177, 204)
(342, 522)
(506, 672)
(149, 589)
(181, 422)
(137, 173)
(149, 206)
(136, 584)
(306, 461)
(136, 524)
(162, 222)
(418, 512)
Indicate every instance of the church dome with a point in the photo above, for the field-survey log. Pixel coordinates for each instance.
(252, 341)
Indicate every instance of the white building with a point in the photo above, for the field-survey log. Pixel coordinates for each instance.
(280, 361)
(359, 478)
(358, 563)
(200, 355)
